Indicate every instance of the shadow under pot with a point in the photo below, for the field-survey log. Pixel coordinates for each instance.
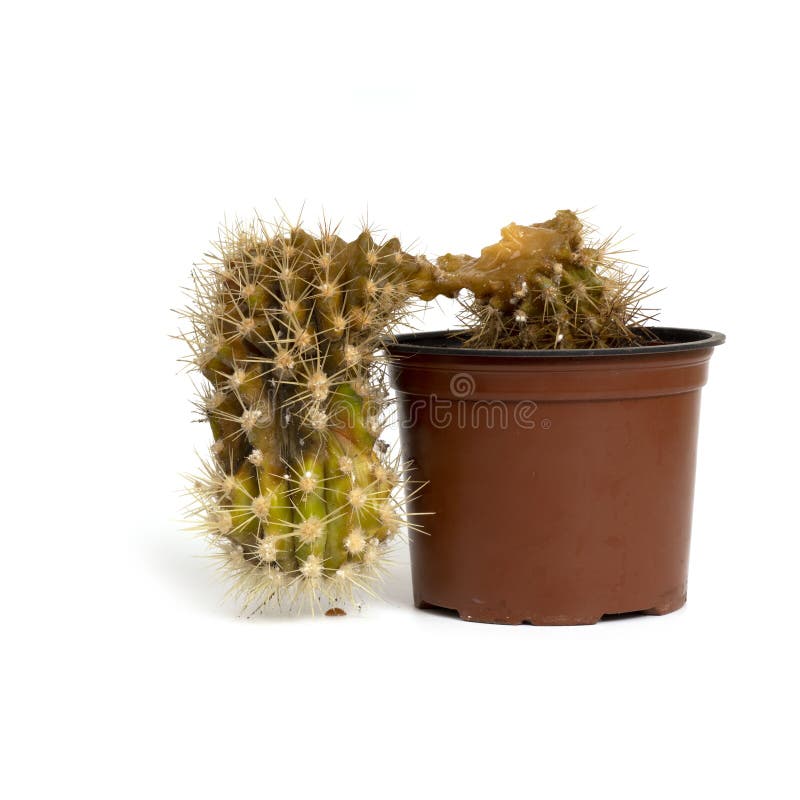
(554, 487)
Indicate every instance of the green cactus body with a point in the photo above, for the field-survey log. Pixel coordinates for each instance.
(284, 327)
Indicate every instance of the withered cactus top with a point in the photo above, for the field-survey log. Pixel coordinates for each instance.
(543, 286)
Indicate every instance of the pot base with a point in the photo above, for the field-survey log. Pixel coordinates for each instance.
(480, 613)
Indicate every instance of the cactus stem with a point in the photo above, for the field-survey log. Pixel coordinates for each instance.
(284, 326)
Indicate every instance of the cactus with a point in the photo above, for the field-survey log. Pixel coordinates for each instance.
(541, 286)
(300, 496)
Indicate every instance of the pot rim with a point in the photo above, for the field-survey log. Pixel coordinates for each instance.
(674, 340)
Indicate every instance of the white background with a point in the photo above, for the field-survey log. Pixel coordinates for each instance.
(128, 132)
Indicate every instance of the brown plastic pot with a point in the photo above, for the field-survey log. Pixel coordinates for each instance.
(555, 487)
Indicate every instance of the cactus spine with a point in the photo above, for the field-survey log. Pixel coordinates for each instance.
(300, 496)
